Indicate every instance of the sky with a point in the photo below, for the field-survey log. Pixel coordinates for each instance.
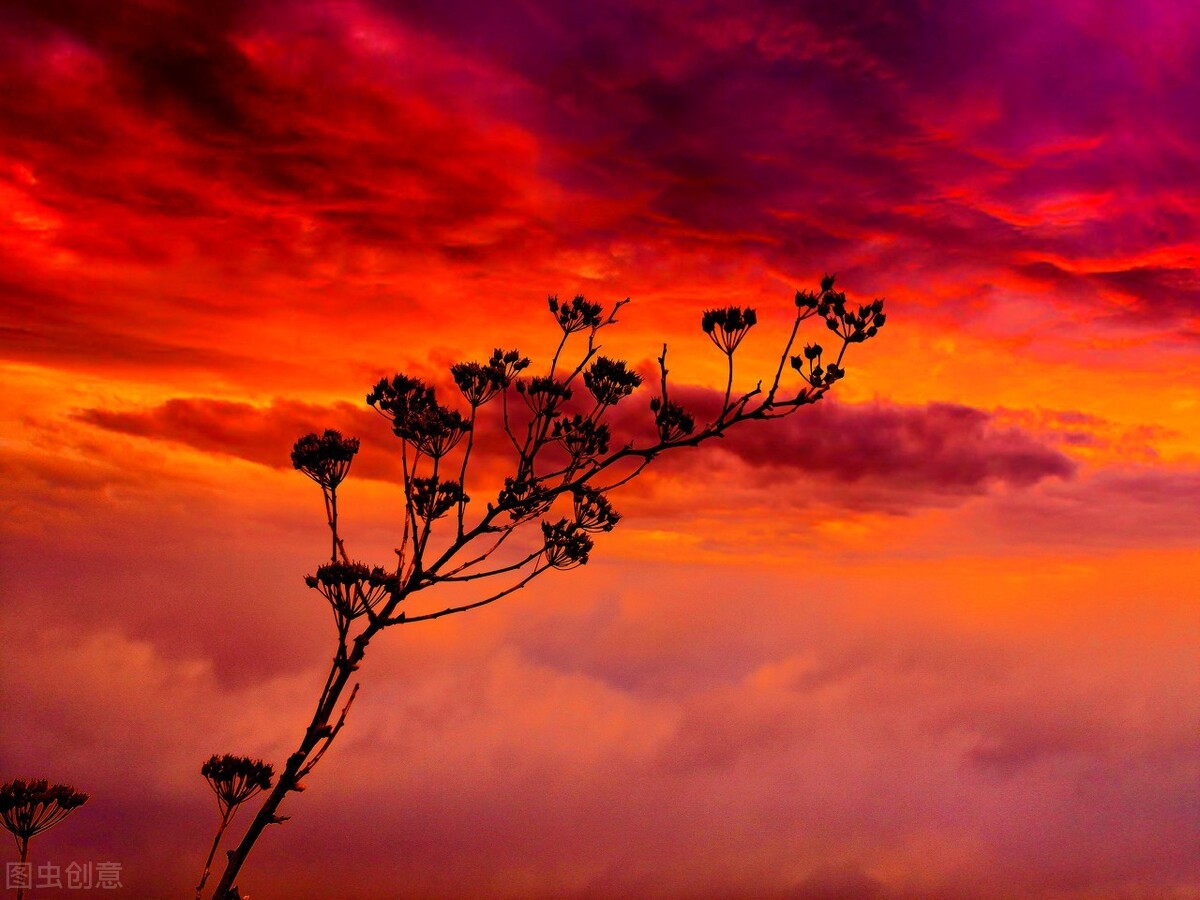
(934, 637)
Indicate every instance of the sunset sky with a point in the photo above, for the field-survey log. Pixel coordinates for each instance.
(935, 638)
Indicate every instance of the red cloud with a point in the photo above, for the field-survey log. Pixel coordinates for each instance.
(894, 457)
(260, 435)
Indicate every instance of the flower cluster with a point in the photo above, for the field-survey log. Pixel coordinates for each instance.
(567, 544)
(853, 326)
(431, 499)
(578, 315)
(593, 512)
(434, 430)
(416, 415)
(727, 327)
(352, 588)
(543, 395)
(325, 458)
(523, 499)
(30, 807)
(399, 397)
(817, 376)
(671, 420)
(235, 779)
(480, 382)
(581, 437)
(807, 299)
(610, 380)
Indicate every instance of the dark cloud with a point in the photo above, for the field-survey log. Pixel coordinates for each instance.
(1159, 293)
(937, 447)
(883, 456)
(901, 144)
(887, 457)
(260, 435)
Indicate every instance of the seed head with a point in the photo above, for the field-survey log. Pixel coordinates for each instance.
(578, 315)
(610, 380)
(567, 544)
(30, 807)
(728, 326)
(325, 458)
(235, 779)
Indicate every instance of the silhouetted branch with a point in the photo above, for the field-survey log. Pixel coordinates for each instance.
(449, 611)
(366, 600)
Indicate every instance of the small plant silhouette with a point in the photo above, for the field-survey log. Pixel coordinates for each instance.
(234, 780)
(562, 448)
(30, 807)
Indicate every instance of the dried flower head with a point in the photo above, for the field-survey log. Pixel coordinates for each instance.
(567, 544)
(671, 420)
(543, 395)
(523, 499)
(593, 512)
(30, 807)
(235, 779)
(726, 327)
(478, 383)
(431, 499)
(581, 437)
(507, 364)
(397, 396)
(610, 380)
(325, 458)
(817, 375)
(433, 430)
(578, 315)
(352, 588)
(416, 416)
(806, 300)
(852, 325)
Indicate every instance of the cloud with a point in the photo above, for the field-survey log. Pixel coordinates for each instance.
(1109, 507)
(868, 456)
(1143, 294)
(881, 456)
(937, 447)
(262, 435)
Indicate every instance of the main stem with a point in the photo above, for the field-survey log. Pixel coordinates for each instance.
(225, 817)
(333, 552)
(24, 845)
(288, 780)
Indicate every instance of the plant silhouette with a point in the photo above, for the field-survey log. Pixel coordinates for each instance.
(234, 780)
(561, 436)
(30, 807)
